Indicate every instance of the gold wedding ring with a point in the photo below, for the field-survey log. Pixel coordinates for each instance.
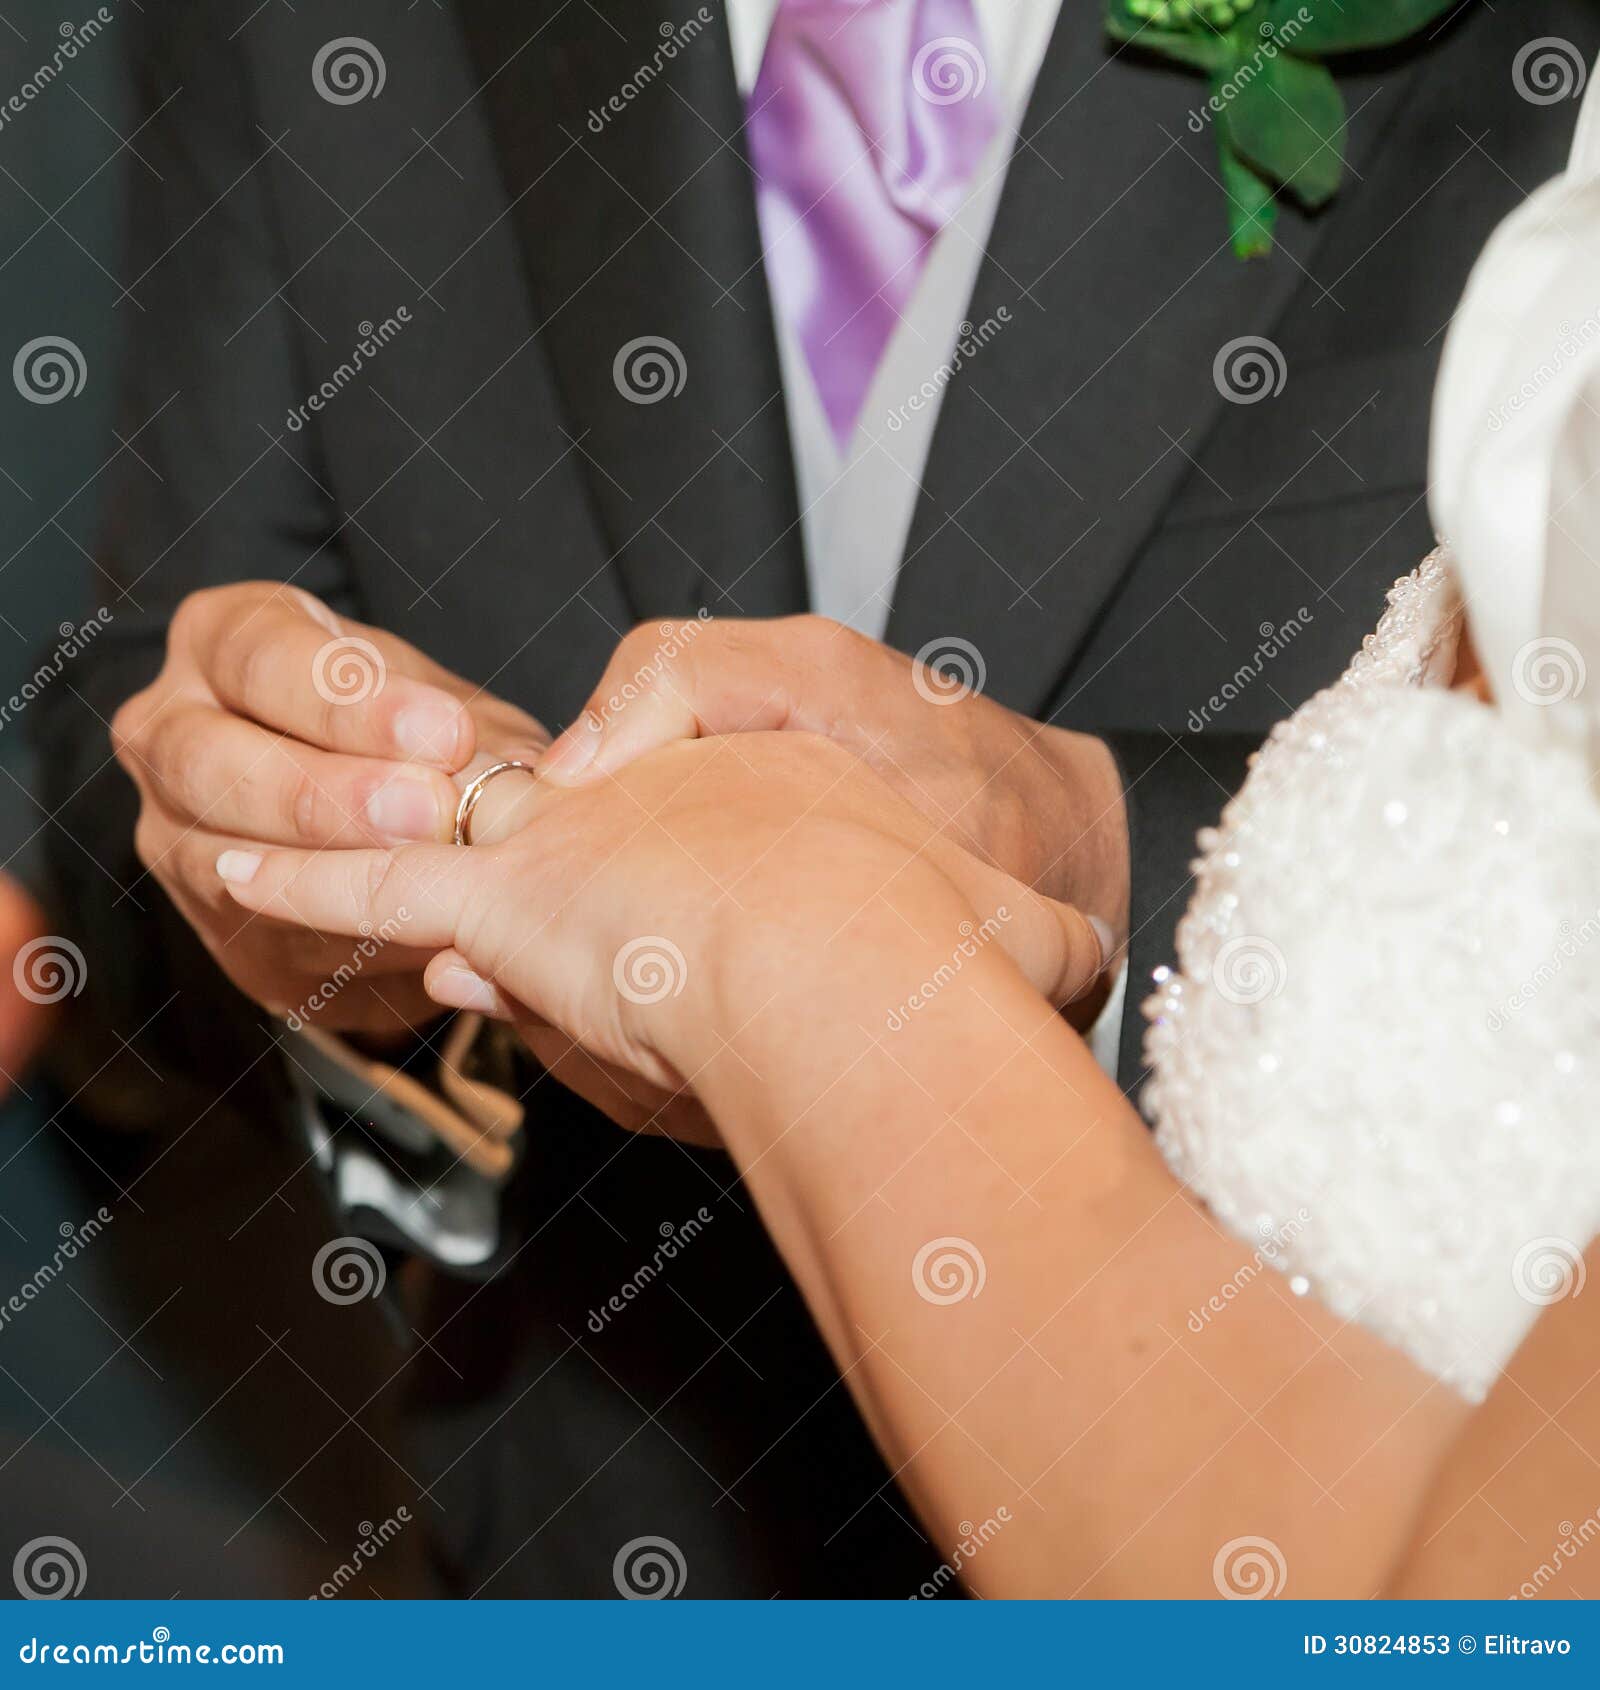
(474, 791)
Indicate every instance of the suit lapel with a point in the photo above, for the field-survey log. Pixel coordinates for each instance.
(1062, 440)
(618, 132)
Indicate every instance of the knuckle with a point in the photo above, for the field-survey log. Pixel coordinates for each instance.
(302, 807)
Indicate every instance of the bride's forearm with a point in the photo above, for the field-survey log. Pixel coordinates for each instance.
(1042, 1330)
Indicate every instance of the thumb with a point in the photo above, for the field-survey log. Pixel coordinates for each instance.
(668, 682)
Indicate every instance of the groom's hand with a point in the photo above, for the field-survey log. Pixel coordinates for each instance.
(1039, 802)
(275, 721)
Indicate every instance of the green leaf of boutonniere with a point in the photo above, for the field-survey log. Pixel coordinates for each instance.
(1341, 28)
(1286, 117)
(1278, 113)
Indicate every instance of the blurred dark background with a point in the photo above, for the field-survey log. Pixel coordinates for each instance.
(156, 1410)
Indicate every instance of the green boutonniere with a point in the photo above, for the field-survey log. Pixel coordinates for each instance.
(1278, 113)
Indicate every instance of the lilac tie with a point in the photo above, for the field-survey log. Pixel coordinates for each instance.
(865, 126)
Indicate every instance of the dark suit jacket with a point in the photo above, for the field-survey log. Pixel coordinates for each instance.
(1110, 532)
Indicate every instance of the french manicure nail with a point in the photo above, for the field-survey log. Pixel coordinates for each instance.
(458, 988)
(239, 867)
(429, 731)
(405, 809)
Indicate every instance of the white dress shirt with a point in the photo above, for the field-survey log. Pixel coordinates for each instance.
(855, 507)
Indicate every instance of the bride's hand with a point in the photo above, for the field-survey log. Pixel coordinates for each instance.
(612, 916)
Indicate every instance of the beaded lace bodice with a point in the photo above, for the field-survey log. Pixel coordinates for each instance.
(1375, 1059)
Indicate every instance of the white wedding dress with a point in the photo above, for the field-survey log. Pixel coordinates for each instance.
(1378, 1056)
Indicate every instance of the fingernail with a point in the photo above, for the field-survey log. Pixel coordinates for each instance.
(1108, 939)
(239, 867)
(459, 988)
(573, 753)
(405, 809)
(429, 731)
